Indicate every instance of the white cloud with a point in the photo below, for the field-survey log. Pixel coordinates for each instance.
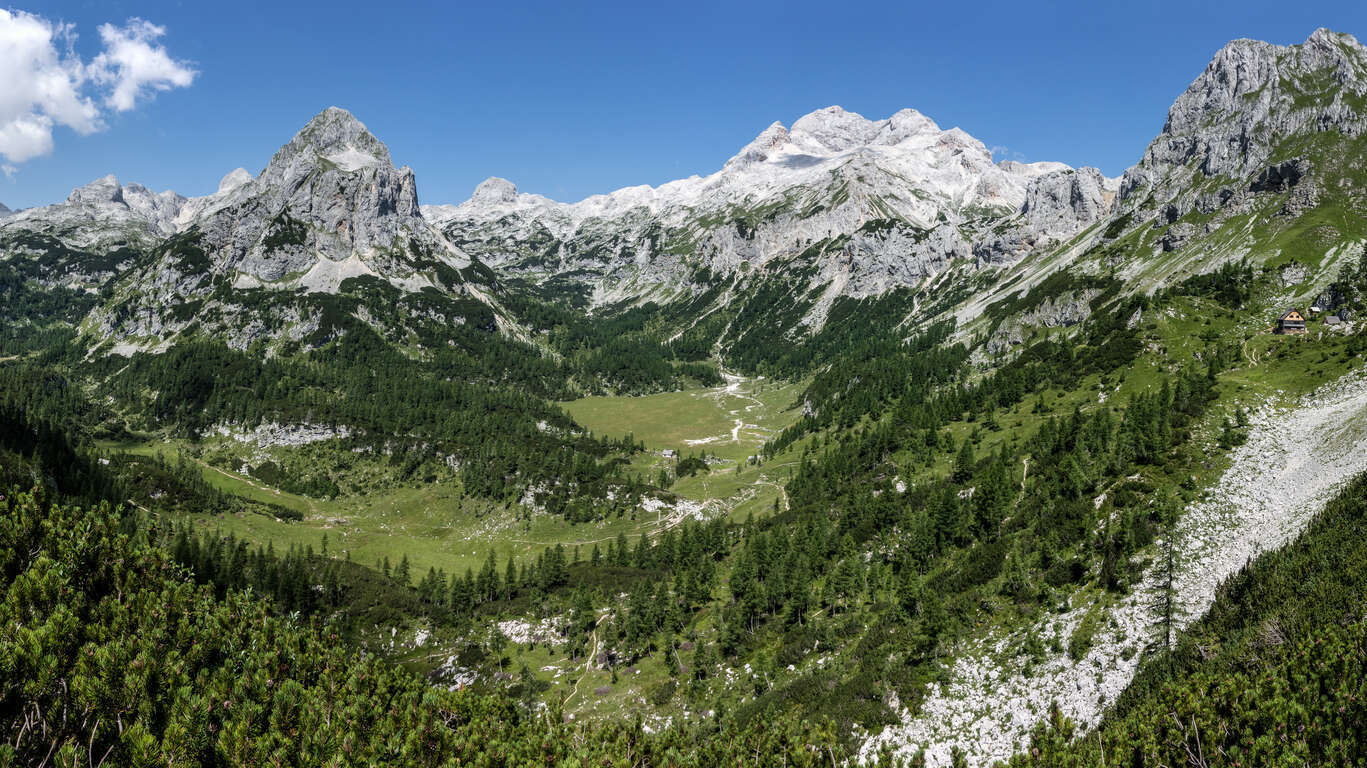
(46, 83)
(134, 66)
(1000, 153)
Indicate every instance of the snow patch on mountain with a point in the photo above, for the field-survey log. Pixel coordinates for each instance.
(352, 159)
(917, 158)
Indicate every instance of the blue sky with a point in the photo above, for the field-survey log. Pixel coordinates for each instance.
(574, 99)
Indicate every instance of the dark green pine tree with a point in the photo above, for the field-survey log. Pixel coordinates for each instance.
(963, 465)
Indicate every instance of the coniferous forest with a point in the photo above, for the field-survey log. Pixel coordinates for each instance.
(868, 448)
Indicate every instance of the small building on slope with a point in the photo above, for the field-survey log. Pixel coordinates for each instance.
(1291, 322)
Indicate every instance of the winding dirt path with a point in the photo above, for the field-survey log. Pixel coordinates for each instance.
(588, 662)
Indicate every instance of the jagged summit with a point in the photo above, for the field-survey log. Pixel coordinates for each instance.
(833, 129)
(758, 151)
(102, 190)
(329, 204)
(830, 132)
(1252, 96)
(336, 137)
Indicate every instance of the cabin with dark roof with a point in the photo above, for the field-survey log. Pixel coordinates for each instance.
(1291, 322)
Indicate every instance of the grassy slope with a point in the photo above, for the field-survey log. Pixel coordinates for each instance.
(437, 526)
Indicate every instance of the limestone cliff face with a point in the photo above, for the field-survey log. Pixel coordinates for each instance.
(331, 196)
(1251, 97)
(1061, 203)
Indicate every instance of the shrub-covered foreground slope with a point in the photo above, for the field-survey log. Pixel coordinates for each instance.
(1275, 674)
(109, 655)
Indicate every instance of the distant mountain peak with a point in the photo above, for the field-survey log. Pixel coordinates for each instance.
(494, 190)
(234, 179)
(1326, 36)
(105, 189)
(836, 129)
(336, 137)
(764, 144)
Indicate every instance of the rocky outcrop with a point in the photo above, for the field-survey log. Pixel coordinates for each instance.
(1282, 176)
(1061, 203)
(1055, 312)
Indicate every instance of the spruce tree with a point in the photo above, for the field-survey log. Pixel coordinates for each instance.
(963, 465)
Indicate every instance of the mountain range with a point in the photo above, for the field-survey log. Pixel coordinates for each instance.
(963, 457)
(838, 206)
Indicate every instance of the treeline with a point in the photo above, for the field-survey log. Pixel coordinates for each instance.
(618, 351)
(503, 440)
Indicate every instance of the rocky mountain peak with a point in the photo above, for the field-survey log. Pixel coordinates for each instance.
(835, 129)
(494, 190)
(1252, 96)
(234, 179)
(903, 125)
(100, 191)
(762, 147)
(334, 137)
(330, 196)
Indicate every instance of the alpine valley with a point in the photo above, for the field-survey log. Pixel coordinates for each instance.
(863, 449)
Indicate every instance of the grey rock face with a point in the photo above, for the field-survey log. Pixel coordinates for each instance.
(331, 195)
(494, 190)
(1055, 312)
(1063, 202)
(1251, 96)
(103, 214)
